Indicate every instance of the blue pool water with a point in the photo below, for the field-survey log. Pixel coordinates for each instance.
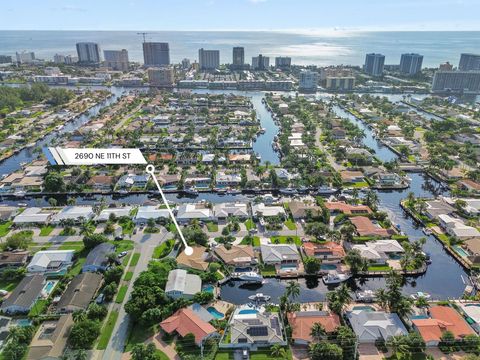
(23, 322)
(285, 267)
(208, 288)
(460, 251)
(49, 287)
(215, 313)
(420, 317)
(467, 305)
(247, 311)
(366, 308)
(328, 267)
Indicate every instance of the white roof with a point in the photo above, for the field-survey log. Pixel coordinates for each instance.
(74, 212)
(151, 212)
(267, 210)
(193, 211)
(179, 280)
(279, 252)
(32, 215)
(119, 212)
(372, 325)
(230, 209)
(43, 258)
(374, 250)
(458, 228)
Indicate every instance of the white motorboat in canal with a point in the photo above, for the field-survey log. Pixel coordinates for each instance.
(249, 276)
(259, 297)
(420, 294)
(334, 277)
(366, 296)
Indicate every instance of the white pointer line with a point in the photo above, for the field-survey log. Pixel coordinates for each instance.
(151, 170)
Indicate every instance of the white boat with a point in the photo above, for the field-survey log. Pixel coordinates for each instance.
(19, 193)
(30, 145)
(335, 278)
(366, 296)
(259, 297)
(249, 276)
(325, 190)
(22, 204)
(420, 294)
(190, 191)
(427, 231)
(288, 191)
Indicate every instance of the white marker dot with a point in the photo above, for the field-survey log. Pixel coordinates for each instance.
(188, 251)
(150, 169)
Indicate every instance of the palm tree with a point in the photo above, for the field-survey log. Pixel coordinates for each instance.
(381, 297)
(278, 351)
(371, 199)
(422, 303)
(398, 344)
(292, 290)
(344, 294)
(317, 332)
(79, 315)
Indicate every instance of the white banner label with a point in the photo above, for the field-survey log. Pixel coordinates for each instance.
(73, 156)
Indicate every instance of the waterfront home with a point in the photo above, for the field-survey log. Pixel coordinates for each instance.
(336, 207)
(442, 318)
(262, 210)
(184, 322)
(469, 185)
(208, 158)
(145, 213)
(168, 181)
(7, 212)
(471, 207)
(79, 293)
(238, 158)
(338, 133)
(101, 182)
(180, 284)
(75, 213)
(284, 174)
(236, 255)
(223, 211)
(253, 329)
(301, 323)
(97, 258)
(285, 257)
(457, 228)
(328, 252)
(24, 296)
(437, 207)
(388, 179)
(197, 211)
(301, 210)
(51, 262)
(198, 181)
(351, 176)
(50, 340)
(365, 227)
(371, 326)
(359, 156)
(379, 251)
(33, 215)
(223, 179)
(283, 108)
(117, 212)
(11, 259)
(132, 180)
(197, 261)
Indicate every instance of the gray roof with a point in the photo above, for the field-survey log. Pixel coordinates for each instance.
(372, 325)
(201, 312)
(279, 252)
(261, 328)
(98, 255)
(26, 292)
(80, 292)
(180, 280)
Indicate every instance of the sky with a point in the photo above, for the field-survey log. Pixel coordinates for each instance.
(281, 15)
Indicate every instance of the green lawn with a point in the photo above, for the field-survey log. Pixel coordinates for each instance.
(161, 355)
(38, 308)
(127, 227)
(283, 240)
(121, 294)
(46, 230)
(5, 228)
(379, 268)
(107, 330)
(255, 355)
(269, 270)
(70, 232)
(361, 184)
(250, 224)
(72, 245)
(139, 334)
(122, 245)
(211, 226)
(290, 224)
(163, 249)
(128, 276)
(77, 268)
(9, 285)
(135, 258)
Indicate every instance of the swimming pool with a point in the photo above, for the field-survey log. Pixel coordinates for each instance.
(247, 311)
(288, 267)
(23, 322)
(460, 251)
(328, 267)
(468, 305)
(208, 288)
(365, 308)
(420, 317)
(215, 313)
(49, 286)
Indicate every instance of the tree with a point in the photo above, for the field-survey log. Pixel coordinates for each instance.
(92, 240)
(109, 291)
(347, 340)
(114, 274)
(278, 351)
(447, 342)
(144, 352)
(325, 351)
(53, 182)
(312, 265)
(83, 334)
(203, 297)
(79, 316)
(96, 311)
(52, 202)
(356, 262)
(317, 331)
(292, 290)
(338, 299)
(19, 240)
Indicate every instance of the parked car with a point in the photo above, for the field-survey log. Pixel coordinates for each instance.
(122, 254)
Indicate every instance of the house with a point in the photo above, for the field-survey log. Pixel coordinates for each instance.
(351, 176)
(198, 181)
(280, 254)
(27, 292)
(80, 292)
(180, 284)
(469, 185)
(201, 312)
(97, 258)
(198, 260)
(365, 227)
(101, 182)
(145, 213)
(370, 326)
(437, 207)
(117, 212)
(7, 212)
(301, 323)
(238, 158)
(328, 252)
(262, 210)
(132, 180)
(442, 318)
(10, 259)
(198, 211)
(50, 340)
(51, 261)
(184, 322)
(223, 211)
(253, 330)
(236, 255)
(75, 213)
(388, 179)
(456, 227)
(347, 209)
(223, 179)
(33, 215)
(301, 210)
(379, 251)
(169, 182)
(359, 155)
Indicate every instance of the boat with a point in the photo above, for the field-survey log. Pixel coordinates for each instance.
(259, 297)
(325, 190)
(19, 193)
(288, 191)
(233, 192)
(262, 131)
(427, 256)
(30, 145)
(249, 276)
(22, 204)
(427, 231)
(221, 191)
(420, 294)
(366, 296)
(190, 191)
(335, 278)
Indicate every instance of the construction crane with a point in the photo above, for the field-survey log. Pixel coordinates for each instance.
(143, 34)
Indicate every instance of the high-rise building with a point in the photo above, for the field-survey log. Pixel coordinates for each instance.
(238, 58)
(116, 59)
(208, 59)
(156, 53)
(374, 64)
(186, 63)
(445, 67)
(163, 77)
(283, 62)
(340, 83)
(411, 64)
(59, 59)
(460, 82)
(88, 53)
(25, 57)
(308, 80)
(260, 62)
(469, 62)
(5, 59)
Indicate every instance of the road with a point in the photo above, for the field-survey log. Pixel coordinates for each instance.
(144, 244)
(330, 158)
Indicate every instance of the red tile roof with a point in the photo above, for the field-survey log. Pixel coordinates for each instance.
(365, 227)
(302, 322)
(312, 249)
(347, 208)
(184, 322)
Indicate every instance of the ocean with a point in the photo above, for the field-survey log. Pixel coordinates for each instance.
(329, 48)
